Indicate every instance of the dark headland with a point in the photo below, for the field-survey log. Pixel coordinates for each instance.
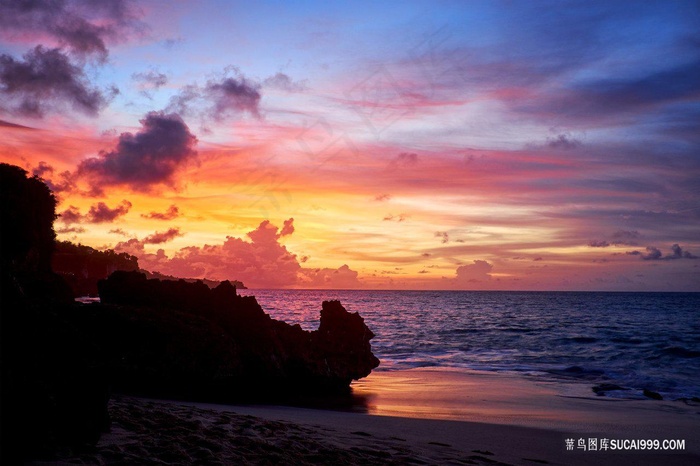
(63, 360)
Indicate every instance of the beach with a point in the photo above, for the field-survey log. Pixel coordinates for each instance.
(403, 417)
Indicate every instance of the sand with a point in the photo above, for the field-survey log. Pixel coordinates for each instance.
(406, 417)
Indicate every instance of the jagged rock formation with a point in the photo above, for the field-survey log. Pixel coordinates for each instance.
(255, 351)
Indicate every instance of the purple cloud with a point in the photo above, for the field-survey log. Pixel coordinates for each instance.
(563, 141)
(101, 213)
(219, 99)
(233, 94)
(149, 81)
(82, 26)
(654, 254)
(285, 83)
(47, 80)
(70, 215)
(162, 236)
(98, 213)
(149, 157)
(477, 271)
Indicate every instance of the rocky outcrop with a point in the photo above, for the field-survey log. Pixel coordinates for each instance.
(53, 379)
(263, 355)
(343, 339)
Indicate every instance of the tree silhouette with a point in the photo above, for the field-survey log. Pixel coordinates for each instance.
(27, 213)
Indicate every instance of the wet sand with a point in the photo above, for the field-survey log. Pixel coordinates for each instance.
(405, 417)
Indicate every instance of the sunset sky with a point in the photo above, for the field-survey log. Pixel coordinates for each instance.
(396, 145)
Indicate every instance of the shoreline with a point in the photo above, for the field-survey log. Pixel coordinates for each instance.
(403, 417)
(511, 398)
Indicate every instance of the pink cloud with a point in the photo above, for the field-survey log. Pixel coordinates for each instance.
(477, 271)
(261, 261)
(341, 278)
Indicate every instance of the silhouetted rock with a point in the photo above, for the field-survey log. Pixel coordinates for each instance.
(652, 395)
(54, 382)
(603, 388)
(343, 339)
(160, 337)
(269, 355)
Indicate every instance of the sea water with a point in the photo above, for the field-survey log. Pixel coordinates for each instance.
(634, 340)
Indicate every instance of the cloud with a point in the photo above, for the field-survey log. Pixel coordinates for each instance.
(70, 215)
(182, 102)
(162, 237)
(625, 237)
(219, 98)
(678, 253)
(149, 157)
(172, 213)
(98, 213)
(443, 236)
(283, 82)
(654, 254)
(287, 228)
(133, 246)
(397, 218)
(341, 278)
(149, 81)
(9, 124)
(267, 232)
(403, 160)
(233, 95)
(656, 88)
(83, 26)
(259, 262)
(46, 80)
(42, 169)
(101, 213)
(605, 98)
(66, 230)
(65, 182)
(119, 231)
(382, 197)
(563, 141)
(619, 238)
(477, 271)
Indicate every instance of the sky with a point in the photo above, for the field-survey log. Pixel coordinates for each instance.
(500, 145)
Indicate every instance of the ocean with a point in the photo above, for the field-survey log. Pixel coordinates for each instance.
(635, 340)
